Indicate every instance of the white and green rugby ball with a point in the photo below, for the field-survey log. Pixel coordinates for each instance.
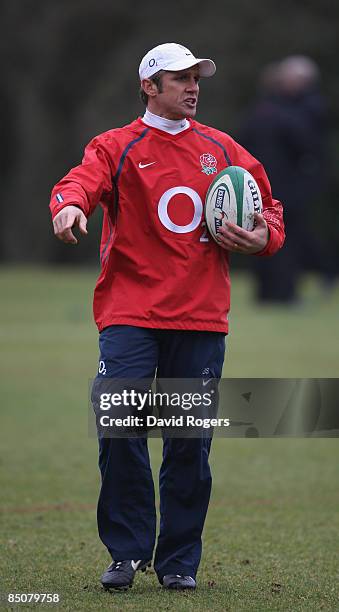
(232, 196)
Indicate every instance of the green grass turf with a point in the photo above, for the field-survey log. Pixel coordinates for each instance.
(272, 532)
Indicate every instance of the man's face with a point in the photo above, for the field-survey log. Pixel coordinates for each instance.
(178, 96)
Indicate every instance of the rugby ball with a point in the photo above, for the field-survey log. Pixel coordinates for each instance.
(232, 196)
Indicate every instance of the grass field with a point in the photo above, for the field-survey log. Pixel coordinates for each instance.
(272, 535)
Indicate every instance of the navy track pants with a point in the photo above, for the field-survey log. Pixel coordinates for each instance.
(126, 507)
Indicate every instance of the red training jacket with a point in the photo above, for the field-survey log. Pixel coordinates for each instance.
(159, 267)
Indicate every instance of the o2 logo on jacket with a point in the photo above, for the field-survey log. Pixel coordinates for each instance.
(197, 215)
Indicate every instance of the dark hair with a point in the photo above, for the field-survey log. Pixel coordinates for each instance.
(156, 78)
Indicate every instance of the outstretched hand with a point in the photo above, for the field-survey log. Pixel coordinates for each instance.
(234, 238)
(65, 220)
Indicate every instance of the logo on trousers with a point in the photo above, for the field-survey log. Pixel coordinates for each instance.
(102, 367)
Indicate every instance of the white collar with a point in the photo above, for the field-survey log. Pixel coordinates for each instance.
(172, 126)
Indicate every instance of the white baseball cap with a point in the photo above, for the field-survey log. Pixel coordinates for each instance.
(171, 56)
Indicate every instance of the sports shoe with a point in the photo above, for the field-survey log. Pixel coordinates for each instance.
(179, 582)
(120, 574)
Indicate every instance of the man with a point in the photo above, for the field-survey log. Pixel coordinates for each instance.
(161, 300)
(286, 129)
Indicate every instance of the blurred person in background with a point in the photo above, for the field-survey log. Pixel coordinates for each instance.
(286, 129)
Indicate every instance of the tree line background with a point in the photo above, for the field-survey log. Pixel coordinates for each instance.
(71, 71)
